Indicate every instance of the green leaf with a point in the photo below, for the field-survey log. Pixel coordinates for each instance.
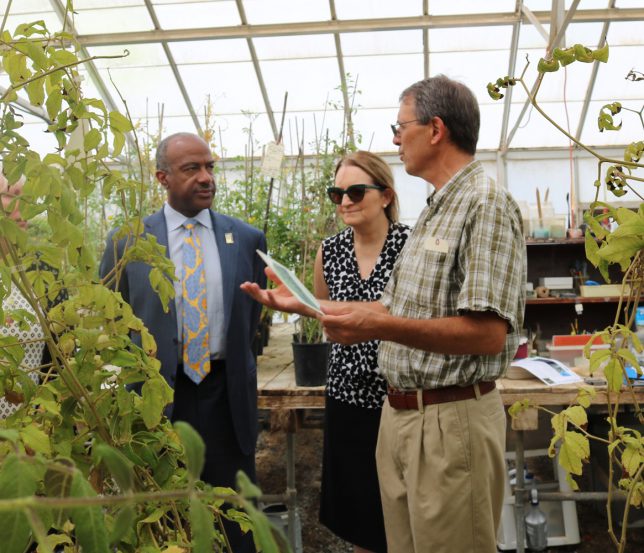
(119, 122)
(565, 57)
(15, 482)
(628, 356)
(202, 527)
(15, 64)
(90, 522)
(148, 344)
(34, 27)
(494, 91)
(36, 92)
(120, 467)
(63, 57)
(246, 487)
(265, 535)
(621, 249)
(58, 483)
(601, 54)
(119, 142)
(9, 435)
(152, 518)
(598, 358)
(123, 523)
(547, 66)
(37, 54)
(155, 395)
(582, 53)
(193, 446)
(36, 439)
(92, 139)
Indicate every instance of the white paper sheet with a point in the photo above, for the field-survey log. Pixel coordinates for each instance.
(549, 371)
(290, 280)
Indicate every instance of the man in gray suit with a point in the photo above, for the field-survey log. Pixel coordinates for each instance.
(223, 406)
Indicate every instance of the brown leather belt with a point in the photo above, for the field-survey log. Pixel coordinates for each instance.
(401, 399)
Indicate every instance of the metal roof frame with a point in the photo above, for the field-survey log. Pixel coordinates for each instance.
(174, 68)
(351, 26)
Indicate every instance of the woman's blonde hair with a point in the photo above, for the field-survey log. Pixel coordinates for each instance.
(378, 169)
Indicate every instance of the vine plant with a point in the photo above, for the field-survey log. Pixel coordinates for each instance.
(86, 464)
(624, 246)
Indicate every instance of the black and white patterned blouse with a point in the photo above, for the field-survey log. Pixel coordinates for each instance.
(32, 339)
(353, 376)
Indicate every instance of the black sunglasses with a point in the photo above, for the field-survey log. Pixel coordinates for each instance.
(355, 192)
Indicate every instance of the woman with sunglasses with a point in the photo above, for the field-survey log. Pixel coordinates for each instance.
(355, 265)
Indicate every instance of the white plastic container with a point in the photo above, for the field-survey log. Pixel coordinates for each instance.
(569, 354)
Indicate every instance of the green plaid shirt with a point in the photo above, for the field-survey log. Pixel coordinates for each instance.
(466, 253)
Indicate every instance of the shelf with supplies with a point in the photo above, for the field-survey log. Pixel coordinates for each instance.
(550, 259)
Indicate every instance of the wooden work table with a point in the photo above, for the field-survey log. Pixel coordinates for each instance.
(277, 390)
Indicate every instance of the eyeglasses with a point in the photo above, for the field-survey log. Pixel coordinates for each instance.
(395, 128)
(355, 192)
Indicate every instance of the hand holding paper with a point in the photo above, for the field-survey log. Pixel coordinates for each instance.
(290, 296)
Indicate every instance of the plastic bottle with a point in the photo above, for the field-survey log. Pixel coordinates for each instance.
(536, 524)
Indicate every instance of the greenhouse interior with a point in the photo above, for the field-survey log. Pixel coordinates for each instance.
(284, 95)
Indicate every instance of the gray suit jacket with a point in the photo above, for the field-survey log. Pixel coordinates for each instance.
(239, 263)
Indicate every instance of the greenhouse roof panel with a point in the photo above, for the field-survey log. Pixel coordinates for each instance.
(236, 59)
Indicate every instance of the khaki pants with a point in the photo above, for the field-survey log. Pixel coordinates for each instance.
(442, 475)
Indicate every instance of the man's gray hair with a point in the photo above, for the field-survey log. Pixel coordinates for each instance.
(454, 103)
(162, 149)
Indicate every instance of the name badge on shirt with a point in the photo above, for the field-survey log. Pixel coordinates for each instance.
(435, 244)
(229, 238)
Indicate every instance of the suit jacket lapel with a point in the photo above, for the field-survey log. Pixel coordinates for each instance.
(228, 246)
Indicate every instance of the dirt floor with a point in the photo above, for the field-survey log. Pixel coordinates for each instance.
(271, 468)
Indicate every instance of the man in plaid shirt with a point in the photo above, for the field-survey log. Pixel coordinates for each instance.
(449, 322)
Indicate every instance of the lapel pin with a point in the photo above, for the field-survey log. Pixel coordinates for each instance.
(229, 238)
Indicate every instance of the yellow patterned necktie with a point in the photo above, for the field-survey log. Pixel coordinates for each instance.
(196, 341)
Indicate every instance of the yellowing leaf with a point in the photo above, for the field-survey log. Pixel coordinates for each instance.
(631, 460)
(91, 140)
(147, 342)
(36, 92)
(576, 414)
(36, 439)
(614, 375)
(119, 122)
(574, 448)
(585, 396)
(155, 394)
